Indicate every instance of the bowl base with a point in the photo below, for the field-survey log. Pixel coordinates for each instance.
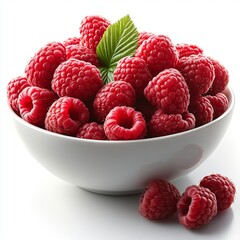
(114, 193)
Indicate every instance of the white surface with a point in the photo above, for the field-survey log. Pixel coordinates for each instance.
(35, 204)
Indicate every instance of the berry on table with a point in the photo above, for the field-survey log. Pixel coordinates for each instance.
(196, 207)
(159, 200)
(222, 187)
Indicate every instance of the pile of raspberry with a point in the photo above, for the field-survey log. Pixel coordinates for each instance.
(162, 89)
(195, 207)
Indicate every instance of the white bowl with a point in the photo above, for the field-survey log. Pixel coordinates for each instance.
(123, 167)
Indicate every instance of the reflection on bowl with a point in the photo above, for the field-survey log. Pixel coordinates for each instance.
(123, 167)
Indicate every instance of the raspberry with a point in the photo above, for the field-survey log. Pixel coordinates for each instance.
(82, 53)
(168, 91)
(71, 41)
(133, 70)
(219, 103)
(91, 30)
(14, 87)
(221, 79)
(159, 53)
(34, 103)
(198, 72)
(196, 207)
(202, 109)
(185, 50)
(222, 187)
(117, 93)
(78, 79)
(66, 115)
(41, 67)
(162, 124)
(142, 36)
(124, 123)
(159, 200)
(92, 130)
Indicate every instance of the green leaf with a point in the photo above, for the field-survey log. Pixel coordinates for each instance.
(119, 40)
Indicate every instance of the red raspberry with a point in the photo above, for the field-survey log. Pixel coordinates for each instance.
(66, 115)
(168, 91)
(162, 124)
(34, 103)
(124, 123)
(185, 50)
(41, 67)
(222, 187)
(196, 207)
(219, 103)
(221, 79)
(92, 130)
(133, 70)
(117, 93)
(198, 72)
(78, 79)
(159, 200)
(91, 30)
(71, 41)
(82, 53)
(202, 110)
(14, 87)
(159, 53)
(142, 36)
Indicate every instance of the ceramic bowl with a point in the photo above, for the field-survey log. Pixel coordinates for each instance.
(123, 167)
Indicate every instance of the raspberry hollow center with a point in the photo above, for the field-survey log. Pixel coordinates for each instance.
(125, 122)
(186, 204)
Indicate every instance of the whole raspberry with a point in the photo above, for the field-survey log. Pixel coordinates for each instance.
(196, 207)
(219, 103)
(34, 103)
(223, 189)
(142, 36)
(168, 91)
(66, 115)
(185, 50)
(198, 72)
(78, 79)
(159, 200)
(221, 79)
(92, 130)
(124, 123)
(159, 53)
(14, 87)
(133, 70)
(117, 93)
(40, 69)
(202, 109)
(71, 41)
(91, 30)
(162, 124)
(82, 53)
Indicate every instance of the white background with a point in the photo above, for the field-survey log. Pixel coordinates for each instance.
(34, 204)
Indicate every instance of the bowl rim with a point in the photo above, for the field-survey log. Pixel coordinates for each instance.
(228, 92)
